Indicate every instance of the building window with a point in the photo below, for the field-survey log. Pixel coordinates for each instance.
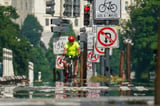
(76, 22)
(47, 22)
(26, 6)
(126, 5)
(21, 5)
(6, 3)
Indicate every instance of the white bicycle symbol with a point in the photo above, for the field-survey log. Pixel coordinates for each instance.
(107, 5)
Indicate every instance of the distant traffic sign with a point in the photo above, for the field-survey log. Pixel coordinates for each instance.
(107, 9)
(58, 44)
(93, 57)
(59, 62)
(90, 38)
(89, 67)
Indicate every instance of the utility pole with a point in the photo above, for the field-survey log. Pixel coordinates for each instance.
(121, 69)
(83, 57)
(128, 61)
(157, 79)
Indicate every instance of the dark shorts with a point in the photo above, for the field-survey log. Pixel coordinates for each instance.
(68, 59)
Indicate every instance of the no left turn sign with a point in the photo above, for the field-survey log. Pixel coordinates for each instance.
(107, 37)
(92, 57)
(59, 62)
(89, 67)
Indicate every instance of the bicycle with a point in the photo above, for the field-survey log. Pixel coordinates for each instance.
(70, 66)
(107, 5)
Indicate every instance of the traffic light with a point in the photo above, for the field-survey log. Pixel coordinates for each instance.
(50, 7)
(67, 8)
(86, 15)
(76, 8)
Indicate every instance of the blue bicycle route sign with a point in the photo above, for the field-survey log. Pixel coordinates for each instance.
(107, 9)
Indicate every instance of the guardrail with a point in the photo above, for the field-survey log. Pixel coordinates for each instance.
(12, 79)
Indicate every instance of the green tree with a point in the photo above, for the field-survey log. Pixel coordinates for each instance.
(41, 63)
(32, 30)
(10, 39)
(142, 28)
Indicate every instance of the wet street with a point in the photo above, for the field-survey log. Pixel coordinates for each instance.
(102, 101)
(65, 94)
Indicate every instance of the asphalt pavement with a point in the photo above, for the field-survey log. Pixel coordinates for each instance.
(102, 101)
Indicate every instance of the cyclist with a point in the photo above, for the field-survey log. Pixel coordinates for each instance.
(71, 48)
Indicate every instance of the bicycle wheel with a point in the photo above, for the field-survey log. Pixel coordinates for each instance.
(102, 8)
(113, 7)
(70, 70)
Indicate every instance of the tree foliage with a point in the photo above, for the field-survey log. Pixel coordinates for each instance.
(10, 39)
(32, 29)
(142, 28)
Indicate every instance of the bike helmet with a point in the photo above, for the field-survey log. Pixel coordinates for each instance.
(71, 38)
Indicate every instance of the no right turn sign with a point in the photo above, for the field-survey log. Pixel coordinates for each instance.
(107, 37)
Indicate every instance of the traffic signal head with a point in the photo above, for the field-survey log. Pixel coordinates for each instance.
(86, 8)
(86, 15)
(76, 8)
(67, 8)
(50, 7)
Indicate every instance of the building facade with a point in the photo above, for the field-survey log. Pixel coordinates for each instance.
(38, 9)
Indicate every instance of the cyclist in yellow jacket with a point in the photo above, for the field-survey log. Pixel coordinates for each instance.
(71, 48)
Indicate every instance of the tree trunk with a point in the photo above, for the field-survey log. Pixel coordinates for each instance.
(157, 79)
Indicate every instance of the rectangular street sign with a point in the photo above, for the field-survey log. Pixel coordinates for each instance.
(90, 38)
(107, 9)
(58, 44)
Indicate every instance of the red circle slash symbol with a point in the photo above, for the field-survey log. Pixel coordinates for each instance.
(93, 57)
(60, 61)
(107, 36)
(89, 67)
(101, 52)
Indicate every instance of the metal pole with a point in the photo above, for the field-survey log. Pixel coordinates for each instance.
(94, 69)
(121, 64)
(121, 69)
(81, 66)
(61, 76)
(102, 65)
(128, 64)
(107, 68)
(54, 74)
